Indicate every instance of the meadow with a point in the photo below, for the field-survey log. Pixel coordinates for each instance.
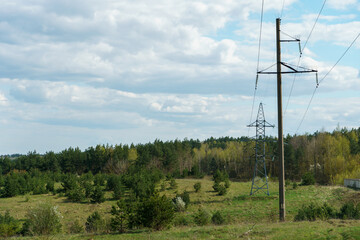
(247, 217)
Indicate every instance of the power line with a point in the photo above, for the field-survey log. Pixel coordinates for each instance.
(312, 96)
(302, 50)
(282, 9)
(258, 60)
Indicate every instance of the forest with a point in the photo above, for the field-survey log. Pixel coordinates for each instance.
(331, 157)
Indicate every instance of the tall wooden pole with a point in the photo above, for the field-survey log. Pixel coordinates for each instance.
(280, 126)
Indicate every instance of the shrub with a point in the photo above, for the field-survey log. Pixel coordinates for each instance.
(222, 190)
(156, 212)
(202, 217)
(120, 221)
(312, 212)
(76, 194)
(294, 185)
(216, 186)
(9, 226)
(98, 195)
(118, 191)
(163, 186)
(173, 184)
(76, 227)
(227, 183)
(95, 223)
(182, 220)
(43, 220)
(185, 196)
(308, 179)
(197, 186)
(218, 218)
(50, 186)
(179, 204)
(349, 211)
(125, 214)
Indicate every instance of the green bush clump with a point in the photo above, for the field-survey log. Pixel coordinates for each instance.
(76, 227)
(218, 218)
(43, 220)
(308, 179)
(349, 211)
(313, 212)
(95, 223)
(182, 220)
(202, 217)
(197, 186)
(221, 182)
(173, 184)
(9, 226)
(156, 212)
(98, 195)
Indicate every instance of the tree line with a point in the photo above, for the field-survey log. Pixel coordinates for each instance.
(329, 156)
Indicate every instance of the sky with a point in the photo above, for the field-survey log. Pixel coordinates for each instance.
(77, 73)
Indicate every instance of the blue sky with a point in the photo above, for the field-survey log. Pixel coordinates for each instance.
(81, 73)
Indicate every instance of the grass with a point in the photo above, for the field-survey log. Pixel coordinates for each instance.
(254, 217)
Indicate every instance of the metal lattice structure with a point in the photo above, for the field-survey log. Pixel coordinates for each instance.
(260, 180)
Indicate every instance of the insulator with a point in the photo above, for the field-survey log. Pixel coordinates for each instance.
(257, 79)
(300, 48)
(317, 80)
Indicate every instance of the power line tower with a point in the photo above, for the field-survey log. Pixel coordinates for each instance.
(260, 180)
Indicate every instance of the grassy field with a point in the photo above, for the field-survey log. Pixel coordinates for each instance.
(248, 217)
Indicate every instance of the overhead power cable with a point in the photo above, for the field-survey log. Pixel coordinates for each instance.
(322, 79)
(302, 50)
(258, 61)
(282, 9)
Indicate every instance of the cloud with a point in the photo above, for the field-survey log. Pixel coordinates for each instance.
(341, 5)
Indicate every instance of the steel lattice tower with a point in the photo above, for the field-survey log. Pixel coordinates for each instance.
(260, 181)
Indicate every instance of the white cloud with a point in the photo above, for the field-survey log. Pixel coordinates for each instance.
(341, 5)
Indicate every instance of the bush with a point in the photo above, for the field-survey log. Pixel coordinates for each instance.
(312, 212)
(349, 211)
(216, 186)
(182, 221)
(76, 194)
(95, 223)
(294, 185)
(120, 221)
(119, 191)
(98, 195)
(125, 215)
(9, 226)
(185, 196)
(222, 190)
(50, 186)
(202, 217)
(173, 184)
(218, 218)
(43, 220)
(179, 204)
(227, 183)
(197, 186)
(308, 179)
(156, 212)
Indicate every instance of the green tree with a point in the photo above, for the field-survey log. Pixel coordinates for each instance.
(98, 195)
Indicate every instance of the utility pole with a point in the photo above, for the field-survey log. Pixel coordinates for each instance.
(280, 125)
(278, 72)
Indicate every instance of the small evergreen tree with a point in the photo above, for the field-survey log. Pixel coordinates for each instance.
(98, 195)
(197, 186)
(95, 223)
